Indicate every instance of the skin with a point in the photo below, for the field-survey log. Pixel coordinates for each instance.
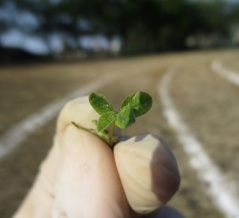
(78, 178)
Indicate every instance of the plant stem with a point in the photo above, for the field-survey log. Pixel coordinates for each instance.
(111, 134)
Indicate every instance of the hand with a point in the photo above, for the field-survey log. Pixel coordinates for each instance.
(79, 177)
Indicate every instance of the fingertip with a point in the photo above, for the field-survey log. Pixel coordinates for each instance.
(79, 111)
(148, 171)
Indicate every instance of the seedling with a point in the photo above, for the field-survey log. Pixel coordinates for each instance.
(133, 106)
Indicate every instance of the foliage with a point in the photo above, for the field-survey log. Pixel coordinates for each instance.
(143, 25)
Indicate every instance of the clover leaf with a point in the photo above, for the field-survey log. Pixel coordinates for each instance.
(105, 121)
(140, 102)
(100, 103)
(125, 117)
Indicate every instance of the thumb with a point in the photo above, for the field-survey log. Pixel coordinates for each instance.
(87, 182)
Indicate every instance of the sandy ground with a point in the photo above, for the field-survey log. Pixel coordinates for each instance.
(207, 103)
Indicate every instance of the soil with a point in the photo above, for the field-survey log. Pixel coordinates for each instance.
(206, 102)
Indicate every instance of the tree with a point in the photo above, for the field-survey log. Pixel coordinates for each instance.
(143, 25)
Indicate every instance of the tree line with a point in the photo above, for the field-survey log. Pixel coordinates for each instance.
(144, 26)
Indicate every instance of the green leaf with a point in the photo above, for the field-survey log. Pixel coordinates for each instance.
(125, 117)
(105, 120)
(100, 104)
(140, 102)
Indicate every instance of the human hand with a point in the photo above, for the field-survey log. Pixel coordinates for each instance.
(80, 176)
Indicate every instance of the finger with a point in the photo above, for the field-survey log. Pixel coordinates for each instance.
(38, 202)
(148, 172)
(87, 183)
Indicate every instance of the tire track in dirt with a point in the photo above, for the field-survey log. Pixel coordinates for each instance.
(220, 189)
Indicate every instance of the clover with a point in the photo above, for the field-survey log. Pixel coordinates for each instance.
(133, 106)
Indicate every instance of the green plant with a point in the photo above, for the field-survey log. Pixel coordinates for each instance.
(133, 106)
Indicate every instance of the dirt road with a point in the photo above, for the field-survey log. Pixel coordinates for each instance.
(207, 103)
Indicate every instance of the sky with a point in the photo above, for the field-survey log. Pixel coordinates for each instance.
(35, 44)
